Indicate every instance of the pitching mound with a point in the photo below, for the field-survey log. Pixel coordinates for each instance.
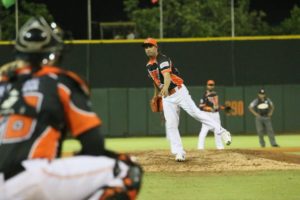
(219, 161)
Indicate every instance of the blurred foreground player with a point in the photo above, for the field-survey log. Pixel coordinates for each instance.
(39, 103)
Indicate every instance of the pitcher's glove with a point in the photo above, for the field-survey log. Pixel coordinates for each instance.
(156, 104)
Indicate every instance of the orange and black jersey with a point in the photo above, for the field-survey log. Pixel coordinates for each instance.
(61, 102)
(158, 66)
(209, 101)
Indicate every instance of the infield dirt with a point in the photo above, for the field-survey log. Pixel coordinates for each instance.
(220, 160)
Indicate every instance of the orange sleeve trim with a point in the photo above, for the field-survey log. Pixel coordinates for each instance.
(82, 121)
(81, 82)
(79, 120)
(176, 79)
(46, 145)
(50, 69)
(47, 70)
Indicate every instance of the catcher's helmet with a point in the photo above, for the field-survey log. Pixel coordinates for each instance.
(37, 40)
(36, 36)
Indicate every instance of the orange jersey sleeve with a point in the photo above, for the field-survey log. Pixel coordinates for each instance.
(77, 110)
(74, 95)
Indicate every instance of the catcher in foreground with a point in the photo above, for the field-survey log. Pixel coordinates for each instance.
(209, 103)
(169, 85)
(39, 103)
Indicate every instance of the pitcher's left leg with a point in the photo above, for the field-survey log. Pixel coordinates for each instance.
(171, 113)
(202, 136)
(218, 137)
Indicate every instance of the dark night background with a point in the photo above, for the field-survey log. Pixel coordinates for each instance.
(72, 15)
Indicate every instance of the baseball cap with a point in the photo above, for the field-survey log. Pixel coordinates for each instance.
(210, 82)
(261, 91)
(150, 41)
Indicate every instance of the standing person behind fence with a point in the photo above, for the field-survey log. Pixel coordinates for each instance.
(209, 103)
(39, 104)
(262, 108)
(169, 85)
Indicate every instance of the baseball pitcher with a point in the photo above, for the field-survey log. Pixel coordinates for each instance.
(169, 85)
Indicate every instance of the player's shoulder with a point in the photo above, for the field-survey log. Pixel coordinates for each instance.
(269, 100)
(66, 77)
(254, 102)
(162, 58)
(163, 61)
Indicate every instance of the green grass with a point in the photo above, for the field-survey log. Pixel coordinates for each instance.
(266, 185)
(262, 185)
(152, 143)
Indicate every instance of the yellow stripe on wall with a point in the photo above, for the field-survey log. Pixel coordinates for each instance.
(239, 38)
(6, 42)
(206, 39)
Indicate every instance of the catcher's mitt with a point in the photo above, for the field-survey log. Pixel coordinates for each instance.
(156, 104)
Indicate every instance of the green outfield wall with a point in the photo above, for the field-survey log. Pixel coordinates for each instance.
(116, 72)
(240, 61)
(126, 111)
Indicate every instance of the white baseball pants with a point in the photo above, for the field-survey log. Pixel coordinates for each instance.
(73, 178)
(171, 106)
(205, 129)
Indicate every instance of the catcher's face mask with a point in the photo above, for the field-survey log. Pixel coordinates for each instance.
(38, 42)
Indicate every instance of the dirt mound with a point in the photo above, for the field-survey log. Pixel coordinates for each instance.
(218, 160)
